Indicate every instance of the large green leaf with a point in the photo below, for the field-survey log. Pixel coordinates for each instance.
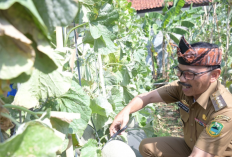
(101, 121)
(180, 31)
(187, 24)
(104, 46)
(14, 43)
(101, 106)
(32, 139)
(101, 29)
(170, 13)
(13, 59)
(128, 95)
(88, 38)
(174, 38)
(22, 22)
(110, 78)
(76, 101)
(41, 86)
(89, 149)
(179, 5)
(116, 99)
(125, 75)
(60, 125)
(87, 2)
(28, 4)
(56, 12)
(155, 16)
(174, 11)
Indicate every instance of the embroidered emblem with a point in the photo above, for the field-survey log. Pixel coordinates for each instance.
(214, 129)
(218, 101)
(200, 122)
(223, 117)
(204, 117)
(183, 107)
(185, 103)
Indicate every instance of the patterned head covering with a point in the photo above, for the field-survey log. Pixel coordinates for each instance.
(188, 55)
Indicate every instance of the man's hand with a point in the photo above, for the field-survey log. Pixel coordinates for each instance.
(120, 121)
(136, 104)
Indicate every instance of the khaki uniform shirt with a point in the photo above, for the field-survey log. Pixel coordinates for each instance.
(205, 128)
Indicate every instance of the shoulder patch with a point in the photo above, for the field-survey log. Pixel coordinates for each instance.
(222, 117)
(214, 129)
(217, 101)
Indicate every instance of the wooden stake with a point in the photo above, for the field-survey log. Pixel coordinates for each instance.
(59, 37)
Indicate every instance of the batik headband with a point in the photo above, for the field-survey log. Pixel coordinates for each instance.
(188, 55)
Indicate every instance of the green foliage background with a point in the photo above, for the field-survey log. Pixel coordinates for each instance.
(113, 68)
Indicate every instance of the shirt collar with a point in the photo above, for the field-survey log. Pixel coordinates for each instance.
(204, 98)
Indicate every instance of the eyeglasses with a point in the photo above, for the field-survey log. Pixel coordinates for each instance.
(188, 75)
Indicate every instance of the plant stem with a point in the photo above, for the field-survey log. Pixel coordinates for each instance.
(101, 75)
(23, 109)
(66, 40)
(113, 64)
(1, 102)
(152, 59)
(163, 57)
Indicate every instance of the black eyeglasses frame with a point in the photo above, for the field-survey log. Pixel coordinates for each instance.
(195, 74)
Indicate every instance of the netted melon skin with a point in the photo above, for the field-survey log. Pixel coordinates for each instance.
(117, 148)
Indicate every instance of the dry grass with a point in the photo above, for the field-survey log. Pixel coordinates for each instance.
(167, 120)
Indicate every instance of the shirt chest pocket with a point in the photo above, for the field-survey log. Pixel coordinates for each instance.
(184, 116)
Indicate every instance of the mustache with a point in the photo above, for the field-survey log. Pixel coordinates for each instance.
(184, 84)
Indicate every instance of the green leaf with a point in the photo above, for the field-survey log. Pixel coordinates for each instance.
(22, 22)
(187, 24)
(41, 86)
(139, 55)
(88, 38)
(174, 11)
(125, 75)
(101, 29)
(101, 106)
(56, 12)
(87, 2)
(28, 4)
(32, 139)
(155, 28)
(60, 125)
(104, 46)
(89, 149)
(155, 16)
(23, 60)
(174, 38)
(110, 78)
(14, 43)
(107, 14)
(116, 99)
(101, 121)
(127, 95)
(167, 17)
(178, 6)
(180, 31)
(76, 101)
(149, 130)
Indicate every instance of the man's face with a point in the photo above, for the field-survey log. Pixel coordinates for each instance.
(200, 83)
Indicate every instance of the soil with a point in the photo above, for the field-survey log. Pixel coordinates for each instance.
(168, 121)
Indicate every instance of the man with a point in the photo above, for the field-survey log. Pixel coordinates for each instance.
(205, 107)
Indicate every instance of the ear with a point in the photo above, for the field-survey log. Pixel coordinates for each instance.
(215, 75)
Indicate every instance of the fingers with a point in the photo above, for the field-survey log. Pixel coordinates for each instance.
(114, 128)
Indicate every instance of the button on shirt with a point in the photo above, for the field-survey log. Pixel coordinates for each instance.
(203, 110)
